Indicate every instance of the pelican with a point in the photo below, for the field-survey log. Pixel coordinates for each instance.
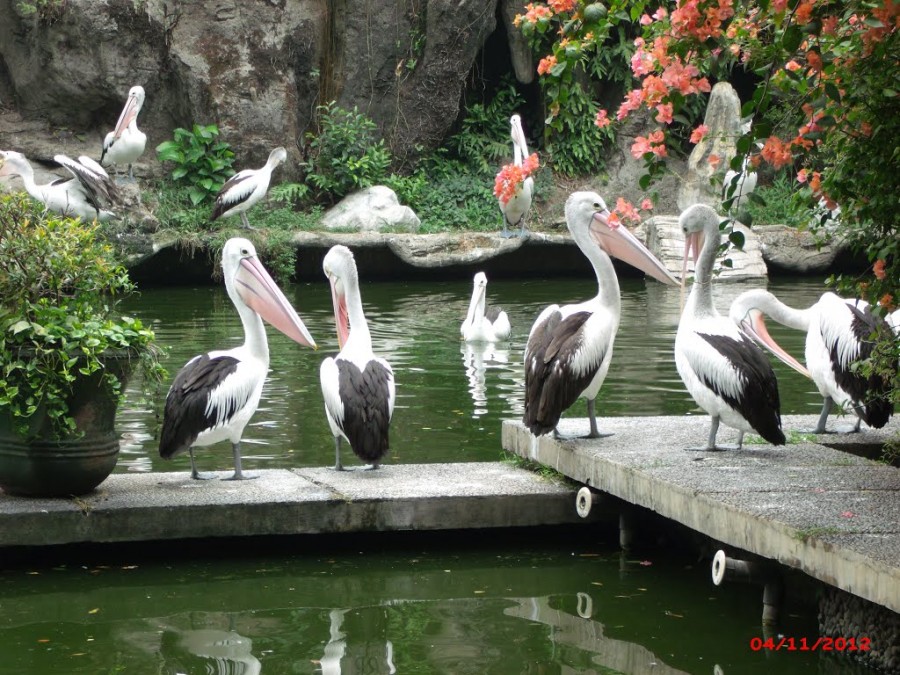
(483, 323)
(214, 395)
(737, 186)
(837, 335)
(723, 370)
(358, 387)
(126, 142)
(245, 188)
(86, 195)
(569, 347)
(515, 210)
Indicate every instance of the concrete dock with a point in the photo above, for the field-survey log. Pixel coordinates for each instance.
(827, 512)
(159, 506)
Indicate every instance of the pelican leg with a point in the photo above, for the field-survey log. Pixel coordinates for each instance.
(740, 441)
(523, 232)
(246, 222)
(592, 420)
(827, 404)
(337, 454)
(505, 233)
(131, 174)
(238, 473)
(711, 441)
(194, 473)
(371, 467)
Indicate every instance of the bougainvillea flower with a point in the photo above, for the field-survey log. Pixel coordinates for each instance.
(510, 178)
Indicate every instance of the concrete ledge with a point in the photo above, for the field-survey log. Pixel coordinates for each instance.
(159, 506)
(831, 514)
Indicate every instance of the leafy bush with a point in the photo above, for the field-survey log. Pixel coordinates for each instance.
(346, 154)
(777, 204)
(202, 162)
(577, 147)
(59, 285)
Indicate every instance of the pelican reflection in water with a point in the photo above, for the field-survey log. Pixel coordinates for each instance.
(478, 358)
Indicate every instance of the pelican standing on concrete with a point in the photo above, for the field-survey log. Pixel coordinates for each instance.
(484, 323)
(126, 142)
(569, 347)
(87, 195)
(358, 387)
(245, 188)
(723, 370)
(515, 210)
(838, 333)
(214, 395)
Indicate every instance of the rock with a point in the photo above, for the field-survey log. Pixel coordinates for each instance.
(723, 117)
(446, 249)
(519, 50)
(258, 70)
(371, 210)
(787, 249)
(665, 240)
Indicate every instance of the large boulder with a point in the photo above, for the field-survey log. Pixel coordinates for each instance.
(256, 69)
(723, 118)
(371, 210)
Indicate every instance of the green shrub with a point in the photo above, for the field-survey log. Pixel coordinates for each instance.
(59, 287)
(777, 204)
(202, 162)
(346, 154)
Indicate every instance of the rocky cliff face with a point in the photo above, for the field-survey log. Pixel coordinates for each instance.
(257, 69)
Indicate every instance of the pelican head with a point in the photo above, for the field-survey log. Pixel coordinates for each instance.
(518, 135)
(277, 156)
(248, 281)
(130, 111)
(340, 268)
(747, 312)
(13, 163)
(587, 210)
(696, 222)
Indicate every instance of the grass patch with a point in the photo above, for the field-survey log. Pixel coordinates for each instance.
(542, 470)
(808, 533)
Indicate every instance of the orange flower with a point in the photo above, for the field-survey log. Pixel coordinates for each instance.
(546, 64)
(602, 120)
(878, 270)
(714, 161)
(887, 301)
(510, 178)
(698, 133)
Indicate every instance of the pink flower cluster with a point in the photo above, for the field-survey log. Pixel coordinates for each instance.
(655, 143)
(510, 178)
(701, 19)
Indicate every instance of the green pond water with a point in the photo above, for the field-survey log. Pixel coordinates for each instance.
(536, 602)
(451, 397)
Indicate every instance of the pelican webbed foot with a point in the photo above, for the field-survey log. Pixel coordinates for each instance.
(196, 475)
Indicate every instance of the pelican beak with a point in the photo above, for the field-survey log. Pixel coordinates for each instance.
(518, 137)
(619, 242)
(693, 243)
(341, 317)
(129, 112)
(753, 325)
(257, 288)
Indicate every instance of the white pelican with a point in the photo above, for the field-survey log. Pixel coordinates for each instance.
(245, 188)
(838, 333)
(214, 395)
(737, 186)
(723, 370)
(515, 210)
(87, 195)
(126, 142)
(358, 387)
(569, 348)
(483, 323)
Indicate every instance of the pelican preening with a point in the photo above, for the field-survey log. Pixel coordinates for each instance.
(214, 395)
(126, 142)
(483, 323)
(838, 333)
(358, 387)
(515, 210)
(88, 195)
(723, 370)
(246, 188)
(569, 347)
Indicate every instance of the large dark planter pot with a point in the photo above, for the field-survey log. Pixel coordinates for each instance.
(43, 466)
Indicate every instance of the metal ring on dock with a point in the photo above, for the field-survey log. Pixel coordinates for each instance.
(585, 606)
(584, 499)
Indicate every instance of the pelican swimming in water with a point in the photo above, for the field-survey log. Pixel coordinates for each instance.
(358, 387)
(515, 210)
(126, 142)
(838, 333)
(484, 323)
(570, 346)
(214, 395)
(723, 370)
(245, 188)
(87, 195)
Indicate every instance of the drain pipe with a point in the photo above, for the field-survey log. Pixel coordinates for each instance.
(757, 573)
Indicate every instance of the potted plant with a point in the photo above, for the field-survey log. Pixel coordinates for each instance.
(65, 351)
